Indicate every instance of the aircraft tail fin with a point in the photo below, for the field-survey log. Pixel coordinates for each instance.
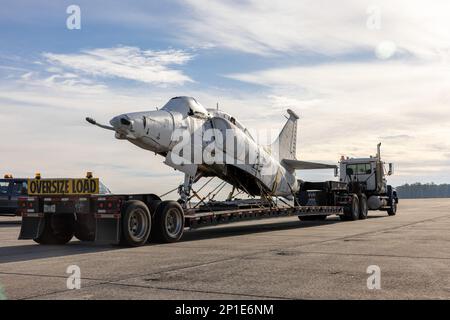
(285, 146)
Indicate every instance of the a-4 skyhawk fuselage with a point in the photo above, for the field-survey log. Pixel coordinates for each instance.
(208, 142)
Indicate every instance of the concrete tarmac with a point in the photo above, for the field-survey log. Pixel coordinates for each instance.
(279, 258)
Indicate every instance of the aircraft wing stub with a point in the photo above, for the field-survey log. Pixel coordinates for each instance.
(306, 165)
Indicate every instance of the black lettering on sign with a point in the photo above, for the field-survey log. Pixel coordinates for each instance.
(45, 186)
(86, 186)
(63, 186)
(38, 186)
(58, 184)
(79, 186)
(54, 188)
(31, 186)
(93, 186)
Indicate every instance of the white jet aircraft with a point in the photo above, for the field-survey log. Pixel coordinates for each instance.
(208, 142)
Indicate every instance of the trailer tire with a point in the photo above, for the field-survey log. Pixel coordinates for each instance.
(58, 230)
(363, 207)
(168, 222)
(392, 210)
(351, 212)
(136, 223)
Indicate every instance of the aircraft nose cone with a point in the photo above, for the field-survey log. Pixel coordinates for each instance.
(120, 122)
(115, 122)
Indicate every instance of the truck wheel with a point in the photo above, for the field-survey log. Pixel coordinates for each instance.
(351, 212)
(169, 222)
(363, 208)
(136, 223)
(393, 208)
(58, 229)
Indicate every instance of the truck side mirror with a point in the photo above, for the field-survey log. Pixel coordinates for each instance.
(391, 169)
(336, 172)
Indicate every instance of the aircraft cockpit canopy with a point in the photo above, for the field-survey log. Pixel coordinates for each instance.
(187, 106)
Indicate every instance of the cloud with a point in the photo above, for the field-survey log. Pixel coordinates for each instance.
(268, 27)
(396, 137)
(130, 63)
(62, 81)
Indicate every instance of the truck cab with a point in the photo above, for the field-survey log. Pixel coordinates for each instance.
(10, 191)
(369, 175)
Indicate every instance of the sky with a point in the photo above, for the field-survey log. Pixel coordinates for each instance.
(357, 72)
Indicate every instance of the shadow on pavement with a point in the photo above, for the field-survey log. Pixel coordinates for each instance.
(236, 230)
(34, 251)
(9, 224)
(230, 230)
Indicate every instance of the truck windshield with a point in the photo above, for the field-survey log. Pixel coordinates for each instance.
(4, 186)
(360, 168)
(19, 188)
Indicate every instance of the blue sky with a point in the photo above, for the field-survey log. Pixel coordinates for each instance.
(357, 72)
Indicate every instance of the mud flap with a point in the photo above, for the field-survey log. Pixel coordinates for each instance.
(32, 227)
(107, 230)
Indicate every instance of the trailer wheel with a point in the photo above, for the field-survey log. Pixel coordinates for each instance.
(363, 208)
(392, 210)
(136, 223)
(351, 212)
(58, 229)
(168, 222)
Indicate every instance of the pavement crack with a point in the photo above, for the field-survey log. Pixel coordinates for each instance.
(199, 291)
(371, 255)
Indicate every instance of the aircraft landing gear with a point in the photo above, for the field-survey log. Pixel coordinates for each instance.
(184, 190)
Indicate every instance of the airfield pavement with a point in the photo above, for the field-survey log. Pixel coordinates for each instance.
(279, 258)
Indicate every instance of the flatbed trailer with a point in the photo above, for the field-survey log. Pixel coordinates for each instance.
(135, 219)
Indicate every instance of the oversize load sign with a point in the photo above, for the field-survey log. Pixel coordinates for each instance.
(63, 186)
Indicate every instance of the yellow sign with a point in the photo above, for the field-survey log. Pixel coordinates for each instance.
(63, 186)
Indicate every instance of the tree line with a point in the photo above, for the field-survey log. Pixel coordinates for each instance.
(426, 190)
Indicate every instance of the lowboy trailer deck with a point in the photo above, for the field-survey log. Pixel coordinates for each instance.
(134, 220)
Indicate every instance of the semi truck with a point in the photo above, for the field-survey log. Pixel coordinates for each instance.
(56, 210)
(367, 177)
